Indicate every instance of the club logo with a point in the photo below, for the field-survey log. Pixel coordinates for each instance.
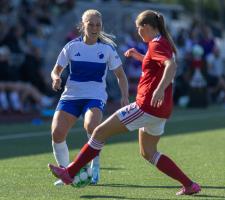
(100, 55)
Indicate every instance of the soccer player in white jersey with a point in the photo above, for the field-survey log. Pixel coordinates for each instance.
(150, 111)
(88, 57)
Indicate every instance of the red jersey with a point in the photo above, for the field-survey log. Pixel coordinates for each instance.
(159, 50)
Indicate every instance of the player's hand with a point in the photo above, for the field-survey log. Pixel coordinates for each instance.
(131, 53)
(157, 98)
(124, 101)
(56, 84)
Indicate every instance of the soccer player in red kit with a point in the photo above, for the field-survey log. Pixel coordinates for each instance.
(148, 113)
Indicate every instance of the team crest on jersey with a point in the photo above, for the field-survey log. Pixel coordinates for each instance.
(129, 108)
(123, 113)
(100, 55)
(77, 54)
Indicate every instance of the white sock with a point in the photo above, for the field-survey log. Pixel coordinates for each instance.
(95, 161)
(61, 153)
(154, 160)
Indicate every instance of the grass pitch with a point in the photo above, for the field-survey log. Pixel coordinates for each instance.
(195, 139)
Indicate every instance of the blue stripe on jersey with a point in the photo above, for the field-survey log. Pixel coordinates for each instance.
(87, 71)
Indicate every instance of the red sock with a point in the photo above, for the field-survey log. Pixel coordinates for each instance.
(86, 154)
(167, 166)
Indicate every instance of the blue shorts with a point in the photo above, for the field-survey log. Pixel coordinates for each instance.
(79, 106)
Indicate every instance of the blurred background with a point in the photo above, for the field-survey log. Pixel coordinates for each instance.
(33, 32)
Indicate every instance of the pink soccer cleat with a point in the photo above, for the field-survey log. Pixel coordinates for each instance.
(61, 173)
(193, 189)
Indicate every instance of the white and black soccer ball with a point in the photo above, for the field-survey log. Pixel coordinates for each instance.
(83, 177)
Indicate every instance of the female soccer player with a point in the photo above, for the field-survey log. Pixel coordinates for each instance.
(88, 57)
(150, 111)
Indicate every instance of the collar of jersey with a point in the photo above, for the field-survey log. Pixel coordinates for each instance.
(156, 38)
(81, 38)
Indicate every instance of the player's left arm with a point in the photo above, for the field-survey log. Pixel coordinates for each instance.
(167, 78)
(123, 84)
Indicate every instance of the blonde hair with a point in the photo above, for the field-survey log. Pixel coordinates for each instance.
(103, 36)
(155, 20)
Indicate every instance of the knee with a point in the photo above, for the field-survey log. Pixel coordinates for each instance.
(89, 128)
(58, 136)
(97, 130)
(99, 134)
(147, 154)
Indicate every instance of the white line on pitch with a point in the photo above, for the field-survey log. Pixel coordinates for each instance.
(173, 119)
(31, 134)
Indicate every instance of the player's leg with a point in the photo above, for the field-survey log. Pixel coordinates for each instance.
(111, 126)
(92, 119)
(147, 144)
(67, 113)
(148, 148)
(127, 118)
(61, 124)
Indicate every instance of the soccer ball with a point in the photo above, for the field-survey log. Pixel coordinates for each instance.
(83, 177)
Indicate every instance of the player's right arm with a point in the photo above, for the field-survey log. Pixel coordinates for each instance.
(134, 53)
(61, 63)
(56, 77)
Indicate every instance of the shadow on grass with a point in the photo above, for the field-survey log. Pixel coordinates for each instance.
(214, 187)
(110, 197)
(138, 198)
(180, 124)
(210, 196)
(202, 196)
(153, 186)
(134, 186)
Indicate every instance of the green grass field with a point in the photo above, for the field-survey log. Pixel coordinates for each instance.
(195, 139)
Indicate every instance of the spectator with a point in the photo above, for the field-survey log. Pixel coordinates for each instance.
(11, 97)
(31, 70)
(14, 94)
(215, 75)
(207, 41)
(197, 72)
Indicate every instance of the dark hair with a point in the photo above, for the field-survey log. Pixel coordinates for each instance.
(155, 20)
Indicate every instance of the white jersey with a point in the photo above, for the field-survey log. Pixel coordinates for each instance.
(88, 66)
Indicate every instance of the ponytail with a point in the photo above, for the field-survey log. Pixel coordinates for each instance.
(164, 32)
(107, 38)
